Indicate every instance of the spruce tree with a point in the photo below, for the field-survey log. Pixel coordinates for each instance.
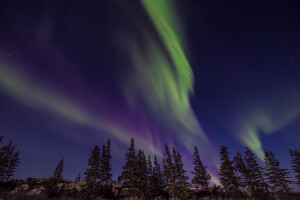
(158, 183)
(57, 174)
(259, 185)
(142, 174)
(277, 177)
(179, 175)
(51, 188)
(102, 165)
(201, 177)
(169, 172)
(149, 166)
(92, 173)
(243, 173)
(105, 165)
(9, 160)
(150, 178)
(295, 160)
(13, 163)
(129, 177)
(105, 177)
(108, 175)
(215, 191)
(227, 176)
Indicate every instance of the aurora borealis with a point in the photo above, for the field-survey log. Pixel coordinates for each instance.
(205, 73)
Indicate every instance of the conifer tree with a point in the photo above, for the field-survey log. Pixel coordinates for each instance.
(201, 177)
(51, 188)
(57, 174)
(92, 173)
(256, 172)
(108, 175)
(169, 172)
(227, 176)
(150, 177)
(104, 188)
(129, 177)
(179, 175)
(295, 160)
(243, 173)
(102, 165)
(105, 165)
(215, 190)
(277, 177)
(150, 167)
(9, 160)
(142, 174)
(158, 183)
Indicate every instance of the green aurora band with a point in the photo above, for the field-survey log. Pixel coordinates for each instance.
(21, 89)
(268, 118)
(162, 75)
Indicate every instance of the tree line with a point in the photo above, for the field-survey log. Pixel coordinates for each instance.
(143, 177)
(241, 177)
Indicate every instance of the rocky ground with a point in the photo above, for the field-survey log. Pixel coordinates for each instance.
(34, 188)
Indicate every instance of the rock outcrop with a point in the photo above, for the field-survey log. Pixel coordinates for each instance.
(35, 186)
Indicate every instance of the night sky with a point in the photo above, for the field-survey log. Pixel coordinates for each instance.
(185, 73)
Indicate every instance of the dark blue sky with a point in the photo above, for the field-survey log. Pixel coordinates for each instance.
(71, 78)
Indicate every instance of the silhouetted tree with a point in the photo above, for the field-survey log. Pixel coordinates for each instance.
(9, 160)
(129, 177)
(108, 175)
(51, 188)
(150, 178)
(169, 172)
(98, 175)
(142, 174)
(180, 177)
(215, 190)
(201, 177)
(57, 174)
(105, 175)
(227, 176)
(92, 173)
(295, 160)
(259, 186)
(158, 183)
(277, 177)
(102, 165)
(243, 173)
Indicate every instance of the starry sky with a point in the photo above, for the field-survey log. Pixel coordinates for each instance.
(185, 73)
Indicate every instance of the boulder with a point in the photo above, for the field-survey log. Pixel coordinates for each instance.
(41, 188)
(23, 187)
(34, 191)
(78, 186)
(62, 186)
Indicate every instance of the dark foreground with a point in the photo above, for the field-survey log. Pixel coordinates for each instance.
(38, 188)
